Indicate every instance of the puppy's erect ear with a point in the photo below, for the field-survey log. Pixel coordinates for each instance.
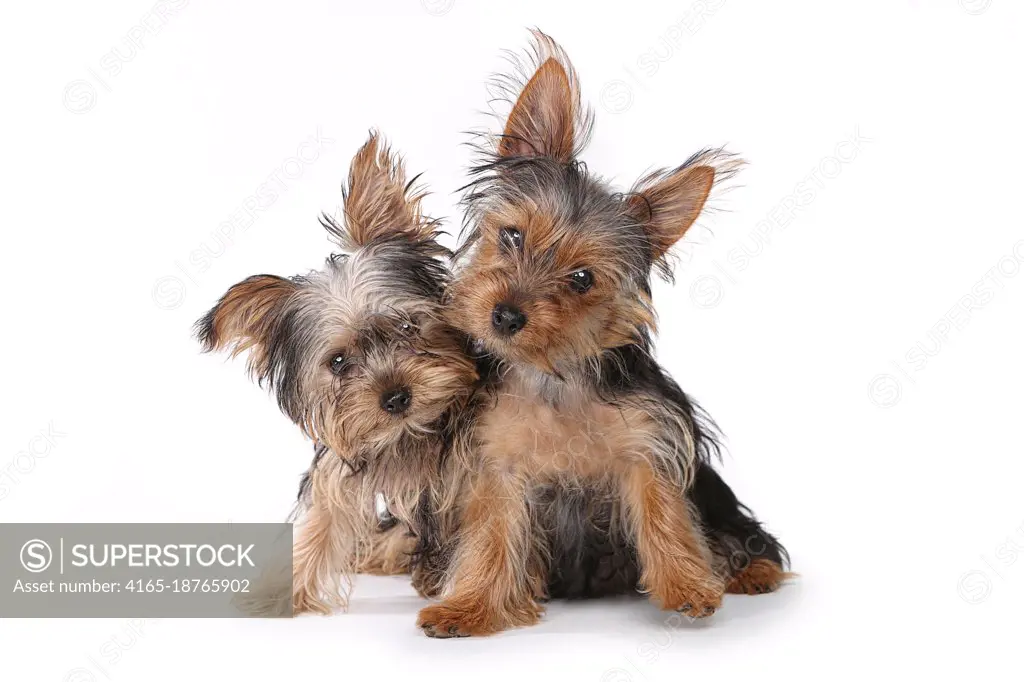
(245, 318)
(378, 201)
(668, 202)
(548, 118)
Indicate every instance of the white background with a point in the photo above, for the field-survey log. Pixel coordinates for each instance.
(863, 358)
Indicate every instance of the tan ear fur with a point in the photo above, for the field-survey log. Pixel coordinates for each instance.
(671, 203)
(378, 201)
(667, 202)
(243, 318)
(548, 117)
(541, 123)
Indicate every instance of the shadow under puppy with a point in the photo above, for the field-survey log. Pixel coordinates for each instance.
(360, 357)
(585, 435)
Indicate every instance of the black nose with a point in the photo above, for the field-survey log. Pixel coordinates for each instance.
(396, 401)
(507, 319)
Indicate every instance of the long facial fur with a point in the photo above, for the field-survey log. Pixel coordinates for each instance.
(598, 348)
(330, 344)
(575, 346)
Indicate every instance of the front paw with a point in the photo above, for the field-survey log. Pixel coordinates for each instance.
(456, 619)
(696, 600)
(447, 620)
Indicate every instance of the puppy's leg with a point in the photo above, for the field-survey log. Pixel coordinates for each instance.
(333, 535)
(761, 576)
(749, 558)
(675, 560)
(745, 561)
(319, 580)
(491, 586)
(389, 552)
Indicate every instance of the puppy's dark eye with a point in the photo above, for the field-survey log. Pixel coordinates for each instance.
(580, 281)
(510, 239)
(409, 326)
(337, 364)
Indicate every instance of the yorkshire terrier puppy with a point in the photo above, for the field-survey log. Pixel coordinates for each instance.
(360, 357)
(585, 433)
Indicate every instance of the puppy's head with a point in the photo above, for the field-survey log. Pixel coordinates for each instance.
(556, 265)
(358, 353)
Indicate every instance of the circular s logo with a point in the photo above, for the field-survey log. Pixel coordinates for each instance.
(706, 291)
(884, 390)
(36, 556)
(974, 587)
(168, 292)
(616, 96)
(80, 675)
(616, 675)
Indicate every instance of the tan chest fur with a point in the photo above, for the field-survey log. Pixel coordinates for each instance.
(580, 438)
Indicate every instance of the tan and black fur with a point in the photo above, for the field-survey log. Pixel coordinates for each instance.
(584, 435)
(360, 356)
